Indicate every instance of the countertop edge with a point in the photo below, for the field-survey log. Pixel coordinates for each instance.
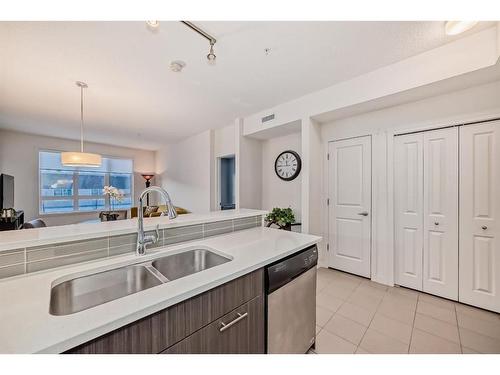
(107, 228)
(107, 328)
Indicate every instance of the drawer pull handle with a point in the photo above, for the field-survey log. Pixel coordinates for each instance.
(484, 227)
(436, 223)
(232, 322)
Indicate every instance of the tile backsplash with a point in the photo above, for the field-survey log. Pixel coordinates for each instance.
(37, 258)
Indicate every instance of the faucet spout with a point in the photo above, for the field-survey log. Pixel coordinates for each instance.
(142, 239)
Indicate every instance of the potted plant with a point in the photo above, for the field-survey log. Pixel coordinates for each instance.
(282, 217)
(114, 195)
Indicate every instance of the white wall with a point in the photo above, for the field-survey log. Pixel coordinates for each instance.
(224, 145)
(248, 170)
(19, 158)
(185, 170)
(224, 141)
(312, 182)
(475, 103)
(468, 54)
(275, 191)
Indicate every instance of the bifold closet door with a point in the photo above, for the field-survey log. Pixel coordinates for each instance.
(440, 228)
(409, 185)
(426, 211)
(479, 215)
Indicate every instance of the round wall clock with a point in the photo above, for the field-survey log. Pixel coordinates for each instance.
(287, 165)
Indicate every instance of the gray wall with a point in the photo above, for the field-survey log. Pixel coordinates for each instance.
(19, 158)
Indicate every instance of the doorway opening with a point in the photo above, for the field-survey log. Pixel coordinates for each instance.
(227, 172)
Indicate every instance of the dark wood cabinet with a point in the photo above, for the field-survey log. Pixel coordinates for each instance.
(239, 332)
(195, 319)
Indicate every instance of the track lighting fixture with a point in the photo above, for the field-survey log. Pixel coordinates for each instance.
(211, 58)
(211, 54)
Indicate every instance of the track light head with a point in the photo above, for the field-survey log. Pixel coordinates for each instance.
(211, 55)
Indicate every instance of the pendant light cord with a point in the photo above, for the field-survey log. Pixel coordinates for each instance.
(81, 118)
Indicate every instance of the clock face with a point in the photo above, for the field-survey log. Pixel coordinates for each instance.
(287, 165)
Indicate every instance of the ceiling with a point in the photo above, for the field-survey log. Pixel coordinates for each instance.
(135, 100)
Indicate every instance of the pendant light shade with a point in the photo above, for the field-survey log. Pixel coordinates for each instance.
(81, 159)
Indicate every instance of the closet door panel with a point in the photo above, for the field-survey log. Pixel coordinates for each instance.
(440, 249)
(408, 210)
(479, 214)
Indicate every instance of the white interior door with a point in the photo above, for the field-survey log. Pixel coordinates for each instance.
(479, 215)
(408, 206)
(350, 205)
(440, 258)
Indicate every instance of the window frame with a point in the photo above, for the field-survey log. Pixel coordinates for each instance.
(75, 197)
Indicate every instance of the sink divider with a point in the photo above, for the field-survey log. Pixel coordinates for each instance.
(156, 273)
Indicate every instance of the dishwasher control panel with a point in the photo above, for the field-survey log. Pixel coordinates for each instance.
(285, 270)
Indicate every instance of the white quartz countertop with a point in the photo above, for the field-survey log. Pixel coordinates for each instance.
(15, 239)
(27, 327)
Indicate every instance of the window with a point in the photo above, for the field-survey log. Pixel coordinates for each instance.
(70, 189)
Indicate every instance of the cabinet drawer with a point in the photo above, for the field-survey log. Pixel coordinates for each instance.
(239, 332)
(160, 330)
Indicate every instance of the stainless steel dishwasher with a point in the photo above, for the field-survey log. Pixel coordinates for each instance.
(291, 303)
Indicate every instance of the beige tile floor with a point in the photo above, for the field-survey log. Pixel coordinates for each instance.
(356, 315)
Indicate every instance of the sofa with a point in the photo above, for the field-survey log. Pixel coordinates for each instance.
(154, 211)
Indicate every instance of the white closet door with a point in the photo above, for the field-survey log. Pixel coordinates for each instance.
(479, 215)
(350, 205)
(440, 262)
(408, 210)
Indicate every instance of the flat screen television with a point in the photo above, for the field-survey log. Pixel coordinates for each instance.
(6, 191)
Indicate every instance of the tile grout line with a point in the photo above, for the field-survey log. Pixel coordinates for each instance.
(418, 299)
(369, 324)
(413, 323)
(458, 329)
(442, 321)
(438, 336)
(66, 256)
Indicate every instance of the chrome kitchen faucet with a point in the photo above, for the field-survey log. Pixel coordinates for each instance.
(142, 239)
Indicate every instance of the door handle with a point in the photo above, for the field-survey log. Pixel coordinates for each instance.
(364, 213)
(225, 326)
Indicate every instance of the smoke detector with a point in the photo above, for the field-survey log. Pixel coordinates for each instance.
(177, 66)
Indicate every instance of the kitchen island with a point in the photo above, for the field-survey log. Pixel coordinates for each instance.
(27, 326)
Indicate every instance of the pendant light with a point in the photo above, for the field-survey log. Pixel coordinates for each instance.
(81, 159)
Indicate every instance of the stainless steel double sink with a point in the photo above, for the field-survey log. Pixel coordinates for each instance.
(84, 292)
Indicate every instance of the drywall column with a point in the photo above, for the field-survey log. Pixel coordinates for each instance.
(238, 133)
(312, 200)
(248, 170)
(306, 157)
(382, 264)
